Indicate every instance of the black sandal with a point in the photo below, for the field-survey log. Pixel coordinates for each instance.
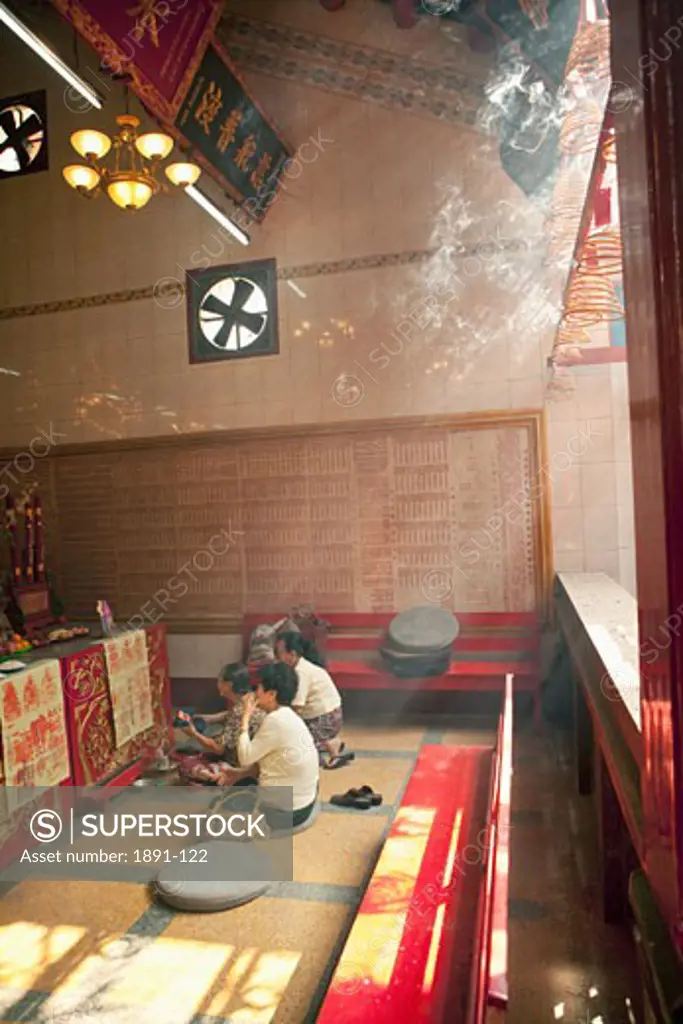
(339, 760)
(368, 793)
(352, 798)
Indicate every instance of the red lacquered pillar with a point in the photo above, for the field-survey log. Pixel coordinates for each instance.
(647, 72)
(11, 519)
(29, 550)
(39, 542)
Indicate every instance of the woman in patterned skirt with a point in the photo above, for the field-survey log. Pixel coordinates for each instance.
(219, 763)
(317, 700)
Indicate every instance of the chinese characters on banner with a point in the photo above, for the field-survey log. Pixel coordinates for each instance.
(129, 686)
(159, 44)
(230, 132)
(34, 742)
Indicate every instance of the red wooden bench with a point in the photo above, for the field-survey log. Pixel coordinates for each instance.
(507, 642)
(429, 941)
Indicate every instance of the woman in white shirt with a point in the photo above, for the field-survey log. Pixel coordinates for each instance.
(282, 748)
(317, 700)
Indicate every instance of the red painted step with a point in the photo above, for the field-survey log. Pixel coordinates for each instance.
(418, 917)
(515, 645)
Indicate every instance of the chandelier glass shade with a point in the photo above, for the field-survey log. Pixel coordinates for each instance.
(90, 144)
(182, 175)
(130, 179)
(154, 145)
(81, 178)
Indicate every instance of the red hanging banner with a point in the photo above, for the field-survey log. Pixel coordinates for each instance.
(189, 87)
(160, 44)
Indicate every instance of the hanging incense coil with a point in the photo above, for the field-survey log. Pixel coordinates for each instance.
(580, 130)
(569, 344)
(591, 300)
(568, 200)
(568, 355)
(572, 335)
(558, 390)
(609, 149)
(563, 232)
(589, 56)
(565, 224)
(602, 254)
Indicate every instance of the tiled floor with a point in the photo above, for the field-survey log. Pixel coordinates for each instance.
(87, 953)
(565, 964)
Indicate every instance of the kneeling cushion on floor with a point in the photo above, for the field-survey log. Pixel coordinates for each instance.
(207, 896)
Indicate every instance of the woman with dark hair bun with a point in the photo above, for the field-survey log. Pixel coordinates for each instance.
(219, 763)
(311, 653)
(283, 750)
(317, 700)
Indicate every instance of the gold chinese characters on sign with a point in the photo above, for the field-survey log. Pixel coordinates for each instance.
(129, 686)
(34, 741)
(210, 107)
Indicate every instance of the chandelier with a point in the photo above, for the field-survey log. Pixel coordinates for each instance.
(131, 179)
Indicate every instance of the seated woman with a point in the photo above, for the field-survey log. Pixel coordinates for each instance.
(283, 749)
(317, 700)
(219, 764)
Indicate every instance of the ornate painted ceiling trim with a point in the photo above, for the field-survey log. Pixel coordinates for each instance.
(362, 73)
(169, 291)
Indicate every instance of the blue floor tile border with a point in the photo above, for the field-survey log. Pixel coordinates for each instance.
(385, 810)
(27, 1007)
(433, 737)
(316, 892)
(386, 755)
(153, 921)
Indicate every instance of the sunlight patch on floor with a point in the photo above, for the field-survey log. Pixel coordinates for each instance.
(172, 980)
(28, 948)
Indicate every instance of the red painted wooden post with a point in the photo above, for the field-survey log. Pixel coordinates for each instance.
(647, 72)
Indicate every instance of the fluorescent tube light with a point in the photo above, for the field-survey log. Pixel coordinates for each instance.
(206, 204)
(51, 58)
(295, 288)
